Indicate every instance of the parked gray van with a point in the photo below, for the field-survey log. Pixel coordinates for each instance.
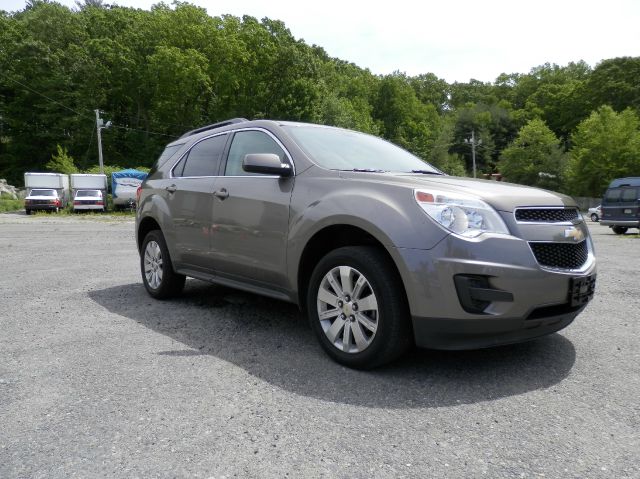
(621, 205)
(382, 250)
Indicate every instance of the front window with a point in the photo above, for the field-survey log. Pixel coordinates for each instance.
(338, 149)
(88, 193)
(247, 142)
(43, 193)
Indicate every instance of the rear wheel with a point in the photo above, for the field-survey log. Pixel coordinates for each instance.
(619, 230)
(357, 307)
(27, 212)
(157, 270)
(594, 217)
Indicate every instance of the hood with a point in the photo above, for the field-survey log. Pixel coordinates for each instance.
(502, 196)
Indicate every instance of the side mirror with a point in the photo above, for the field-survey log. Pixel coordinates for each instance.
(266, 163)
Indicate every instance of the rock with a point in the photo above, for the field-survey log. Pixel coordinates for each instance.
(8, 190)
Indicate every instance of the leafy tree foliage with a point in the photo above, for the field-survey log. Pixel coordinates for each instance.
(157, 73)
(61, 162)
(605, 146)
(534, 158)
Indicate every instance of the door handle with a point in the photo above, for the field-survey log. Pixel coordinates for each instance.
(171, 189)
(222, 194)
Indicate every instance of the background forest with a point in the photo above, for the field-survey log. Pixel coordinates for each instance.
(155, 74)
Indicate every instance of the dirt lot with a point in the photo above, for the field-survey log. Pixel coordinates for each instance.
(97, 379)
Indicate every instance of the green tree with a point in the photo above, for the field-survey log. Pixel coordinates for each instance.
(606, 145)
(534, 158)
(615, 82)
(61, 162)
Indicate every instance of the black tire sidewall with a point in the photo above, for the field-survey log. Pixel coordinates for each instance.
(386, 285)
(170, 284)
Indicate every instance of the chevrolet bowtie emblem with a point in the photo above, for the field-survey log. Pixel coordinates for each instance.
(574, 233)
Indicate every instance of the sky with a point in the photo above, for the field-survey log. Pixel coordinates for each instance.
(457, 40)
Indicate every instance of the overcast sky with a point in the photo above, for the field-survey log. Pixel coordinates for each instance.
(455, 39)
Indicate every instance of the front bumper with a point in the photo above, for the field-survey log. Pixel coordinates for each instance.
(627, 223)
(41, 207)
(88, 207)
(531, 301)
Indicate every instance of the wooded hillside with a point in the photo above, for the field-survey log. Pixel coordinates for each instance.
(156, 74)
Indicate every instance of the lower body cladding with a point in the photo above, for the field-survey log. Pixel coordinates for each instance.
(492, 291)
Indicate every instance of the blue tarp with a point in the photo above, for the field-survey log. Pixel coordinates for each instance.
(125, 183)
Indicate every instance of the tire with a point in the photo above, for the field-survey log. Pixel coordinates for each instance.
(374, 336)
(159, 279)
(28, 212)
(619, 230)
(594, 217)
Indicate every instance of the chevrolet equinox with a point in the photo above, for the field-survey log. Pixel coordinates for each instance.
(382, 250)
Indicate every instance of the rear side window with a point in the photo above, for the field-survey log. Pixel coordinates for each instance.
(629, 194)
(203, 159)
(246, 142)
(168, 152)
(612, 195)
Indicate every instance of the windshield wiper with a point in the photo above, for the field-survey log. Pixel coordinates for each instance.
(427, 172)
(367, 170)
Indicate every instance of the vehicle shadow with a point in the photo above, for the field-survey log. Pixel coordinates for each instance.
(272, 341)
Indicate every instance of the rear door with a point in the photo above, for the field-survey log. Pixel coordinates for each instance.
(621, 204)
(251, 214)
(190, 199)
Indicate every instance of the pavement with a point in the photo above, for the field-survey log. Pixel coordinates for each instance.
(99, 380)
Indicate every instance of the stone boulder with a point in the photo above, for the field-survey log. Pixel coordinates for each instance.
(6, 190)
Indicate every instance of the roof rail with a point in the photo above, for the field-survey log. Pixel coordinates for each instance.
(214, 125)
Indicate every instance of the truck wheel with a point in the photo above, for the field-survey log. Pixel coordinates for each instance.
(619, 230)
(27, 212)
(158, 276)
(357, 307)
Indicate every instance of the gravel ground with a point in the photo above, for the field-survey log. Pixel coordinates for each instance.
(99, 380)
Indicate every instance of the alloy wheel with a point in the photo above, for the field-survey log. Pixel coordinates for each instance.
(347, 309)
(153, 264)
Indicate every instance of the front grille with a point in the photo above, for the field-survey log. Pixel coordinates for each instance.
(560, 255)
(546, 215)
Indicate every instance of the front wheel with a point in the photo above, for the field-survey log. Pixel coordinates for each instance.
(158, 276)
(619, 230)
(594, 217)
(357, 307)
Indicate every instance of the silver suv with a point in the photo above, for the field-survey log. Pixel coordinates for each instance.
(381, 249)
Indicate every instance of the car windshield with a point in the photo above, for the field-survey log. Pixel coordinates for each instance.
(43, 193)
(339, 149)
(88, 193)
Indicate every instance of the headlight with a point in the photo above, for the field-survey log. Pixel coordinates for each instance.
(461, 214)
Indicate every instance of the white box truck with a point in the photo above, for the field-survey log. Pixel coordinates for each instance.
(46, 191)
(89, 191)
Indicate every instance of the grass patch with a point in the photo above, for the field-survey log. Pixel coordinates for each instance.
(7, 205)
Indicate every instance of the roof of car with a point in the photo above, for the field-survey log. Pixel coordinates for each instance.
(233, 123)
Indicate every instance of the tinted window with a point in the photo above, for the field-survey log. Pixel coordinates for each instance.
(612, 195)
(245, 142)
(203, 159)
(629, 194)
(168, 152)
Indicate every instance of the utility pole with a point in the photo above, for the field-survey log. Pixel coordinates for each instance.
(99, 126)
(473, 143)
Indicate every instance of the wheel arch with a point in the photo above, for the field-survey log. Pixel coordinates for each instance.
(328, 239)
(146, 224)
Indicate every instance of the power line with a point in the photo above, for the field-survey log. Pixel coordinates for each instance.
(42, 95)
(77, 112)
